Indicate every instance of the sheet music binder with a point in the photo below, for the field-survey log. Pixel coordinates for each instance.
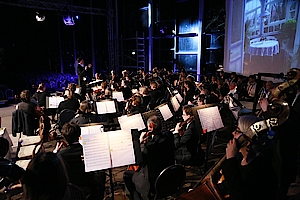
(53, 102)
(107, 150)
(106, 106)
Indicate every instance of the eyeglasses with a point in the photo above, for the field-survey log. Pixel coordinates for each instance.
(238, 130)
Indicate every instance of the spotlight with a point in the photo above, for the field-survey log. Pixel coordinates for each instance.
(39, 17)
(68, 20)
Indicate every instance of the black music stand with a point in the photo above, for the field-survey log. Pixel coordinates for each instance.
(208, 121)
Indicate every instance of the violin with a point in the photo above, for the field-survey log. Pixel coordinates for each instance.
(182, 125)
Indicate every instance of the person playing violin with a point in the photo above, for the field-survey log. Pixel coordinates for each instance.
(186, 139)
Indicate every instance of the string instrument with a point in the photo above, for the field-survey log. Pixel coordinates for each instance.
(183, 124)
(143, 141)
(209, 186)
(279, 108)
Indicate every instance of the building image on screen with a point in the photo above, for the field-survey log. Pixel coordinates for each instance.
(262, 36)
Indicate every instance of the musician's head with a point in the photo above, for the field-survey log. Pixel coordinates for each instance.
(154, 124)
(71, 132)
(80, 60)
(153, 85)
(186, 112)
(45, 177)
(188, 84)
(85, 107)
(248, 141)
(41, 87)
(144, 90)
(252, 78)
(137, 100)
(269, 85)
(25, 96)
(4, 146)
(232, 85)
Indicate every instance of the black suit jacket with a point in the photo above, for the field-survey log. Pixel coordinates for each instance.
(158, 153)
(81, 73)
(72, 157)
(187, 146)
(70, 104)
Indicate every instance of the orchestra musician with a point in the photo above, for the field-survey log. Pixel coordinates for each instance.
(250, 176)
(157, 152)
(188, 150)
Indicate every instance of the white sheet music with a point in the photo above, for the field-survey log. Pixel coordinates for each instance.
(175, 103)
(23, 163)
(165, 112)
(96, 152)
(107, 150)
(131, 122)
(26, 151)
(30, 140)
(121, 148)
(54, 101)
(91, 129)
(179, 97)
(118, 96)
(104, 107)
(210, 118)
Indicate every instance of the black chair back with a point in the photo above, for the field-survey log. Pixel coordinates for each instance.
(65, 116)
(169, 181)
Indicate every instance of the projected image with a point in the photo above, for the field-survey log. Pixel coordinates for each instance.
(262, 36)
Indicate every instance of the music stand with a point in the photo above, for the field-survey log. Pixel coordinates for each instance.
(208, 121)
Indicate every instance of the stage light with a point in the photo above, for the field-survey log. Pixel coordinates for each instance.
(68, 20)
(39, 17)
(77, 17)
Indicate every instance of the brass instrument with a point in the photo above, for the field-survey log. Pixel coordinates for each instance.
(278, 110)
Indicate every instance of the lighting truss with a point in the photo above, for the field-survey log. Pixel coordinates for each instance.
(54, 6)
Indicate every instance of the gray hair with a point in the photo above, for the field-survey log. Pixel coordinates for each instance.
(156, 121)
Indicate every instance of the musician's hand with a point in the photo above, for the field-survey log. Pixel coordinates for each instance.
(231, 149)
(264, 104)
(177, 127)
(142, 137)
(58, 147)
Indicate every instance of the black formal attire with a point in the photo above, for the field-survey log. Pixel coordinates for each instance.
(81, 74)
(89, 182)
(70, 104)
(86, 118)
(126, 92)
(287, 144)
(146, 100)
(157, 153)
(256, 180)
(28, 107)
(155, 95)
(189, 96)
(187, 147)
(40, 97)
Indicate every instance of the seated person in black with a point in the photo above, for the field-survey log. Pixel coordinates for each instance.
(155, 94)
(188, 149)
(252, 176)
(84, 114)
(144, 92)
(135, 105)
(40, 95)
(30, 108)
(157, 152)
(90, 182)
(69, 103)
(9, 172)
